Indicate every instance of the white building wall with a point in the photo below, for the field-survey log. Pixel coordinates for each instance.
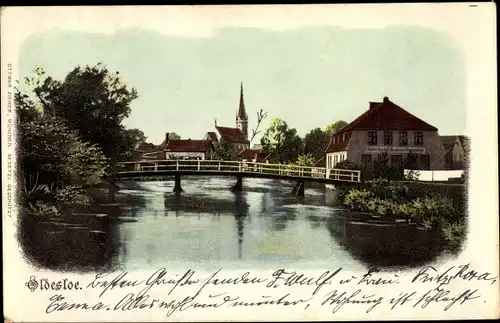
(432, 146)
(182, 155)
(333, 159)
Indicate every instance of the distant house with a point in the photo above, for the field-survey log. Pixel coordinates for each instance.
(252, 155)
(188, 149)
(457, 149)
(146, 151)
(387, 128)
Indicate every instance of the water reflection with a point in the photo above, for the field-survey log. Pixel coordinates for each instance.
(206, 225)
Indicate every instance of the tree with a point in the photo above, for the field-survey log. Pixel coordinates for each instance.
(315, 143)
(282, 143)
(94, 102)
(56, 164)
(174, 136)
(305, 160)
(225, 151)
(335, 127)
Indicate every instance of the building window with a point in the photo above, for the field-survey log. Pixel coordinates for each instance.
(372, 137)
(403, 138)
(418, 139)
(387, 137)
(366, 161)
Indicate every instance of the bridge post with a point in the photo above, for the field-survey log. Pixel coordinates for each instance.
(177, 187)
(238, 187)
(299, 188)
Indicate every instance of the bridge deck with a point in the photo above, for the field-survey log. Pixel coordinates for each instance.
(235, 168)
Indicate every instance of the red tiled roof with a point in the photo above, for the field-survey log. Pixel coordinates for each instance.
(232, 134)
(338, 143)
(188, 145)
(252, 153)
(321, 162)
(387, 115)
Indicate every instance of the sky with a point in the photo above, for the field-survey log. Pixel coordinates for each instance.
(309, 76)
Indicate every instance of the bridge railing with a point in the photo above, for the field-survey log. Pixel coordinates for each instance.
(238, 167)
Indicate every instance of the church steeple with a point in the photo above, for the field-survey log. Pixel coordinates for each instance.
(241, 116)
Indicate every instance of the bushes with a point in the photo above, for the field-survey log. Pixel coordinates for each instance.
(393, 201)
(454, 234)
(358, 199)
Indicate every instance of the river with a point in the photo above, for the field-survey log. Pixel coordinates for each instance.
(207, 226)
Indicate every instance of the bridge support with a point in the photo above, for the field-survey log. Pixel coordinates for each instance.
(177, 187)
(299, 188)
(238, 187)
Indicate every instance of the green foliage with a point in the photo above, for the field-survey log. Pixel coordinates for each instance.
(93, 102)
(431, 211)
(358, 199)
(174, 136)
(225, 151)
(335, 127)
(315, 143)
(382, 169)
(386, 189)
(57, 164)
(282, 143)
(454, 234)
(305, 160)
(347, 164)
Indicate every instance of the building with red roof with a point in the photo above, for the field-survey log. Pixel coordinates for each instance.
(387, 128)
(237, 136)
(187, 149)
(252, 155)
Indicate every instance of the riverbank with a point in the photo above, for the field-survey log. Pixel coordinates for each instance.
(405, 219)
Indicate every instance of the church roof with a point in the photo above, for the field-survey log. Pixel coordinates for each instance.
(232, 134)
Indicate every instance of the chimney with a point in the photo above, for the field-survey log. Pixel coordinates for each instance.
(166, 137)
(386, 99)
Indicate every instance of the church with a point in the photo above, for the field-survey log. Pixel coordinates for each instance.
(237, 136)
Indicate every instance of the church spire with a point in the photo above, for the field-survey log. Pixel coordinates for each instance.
(242, 115)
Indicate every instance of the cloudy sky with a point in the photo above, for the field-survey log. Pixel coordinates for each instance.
(309, 76)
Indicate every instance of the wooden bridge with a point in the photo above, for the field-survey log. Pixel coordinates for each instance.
(159, 169)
